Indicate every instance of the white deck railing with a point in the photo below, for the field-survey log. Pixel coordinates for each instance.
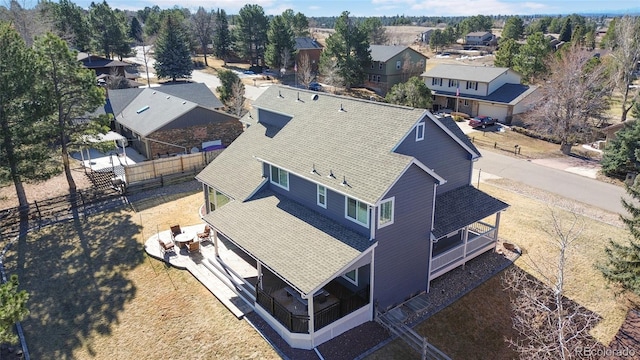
(480, 240)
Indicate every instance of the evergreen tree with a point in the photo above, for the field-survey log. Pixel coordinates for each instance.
(531, 58)
(24, 136)
(250, 37)
(109, 30)
(73, 93)
(622, 154)
(506, 54)
(565, 32)
(13, 308)
(135, 30)
(414, 93)
(227, 80)
(172, 51)
(71, 24)
(513, 28)
(298, 22)
(376, 33)
(622, 265)
(221, 36)
(349, 46)
(281, 41)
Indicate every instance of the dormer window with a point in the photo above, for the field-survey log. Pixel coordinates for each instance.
(280, 177)
(420, 132)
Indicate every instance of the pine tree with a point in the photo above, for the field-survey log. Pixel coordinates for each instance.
(24, 103)
(250, 37)
(13, 308)
(622, 265)
(281, 40)
(621, 154)
(565, 32)
(505, 56)
(349, 46)
(221, 36)
(73, 92)
(173, 59)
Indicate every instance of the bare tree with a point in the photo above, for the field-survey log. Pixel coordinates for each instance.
(550, 325)
(236, 102)
(331, 73)
(203, 24)
(285, 56)
(625, 58)
(305, 75)
(573, 100)
(27, 19)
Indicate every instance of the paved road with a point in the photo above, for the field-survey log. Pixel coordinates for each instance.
(572, 186)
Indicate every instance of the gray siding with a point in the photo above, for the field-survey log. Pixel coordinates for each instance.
(440, 152)
(304, 192)
(402, 257)
(271, 118)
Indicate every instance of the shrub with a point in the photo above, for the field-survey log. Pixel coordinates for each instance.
(536, 135)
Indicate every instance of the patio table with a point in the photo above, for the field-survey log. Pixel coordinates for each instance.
(184, 238)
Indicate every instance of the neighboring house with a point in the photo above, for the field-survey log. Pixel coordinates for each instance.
(479, 90)
(610, 132)
(171, 119)
(480, 38)
(104, 68)
(346, 205)
(425, 36)
(310, 47)
(391, 65)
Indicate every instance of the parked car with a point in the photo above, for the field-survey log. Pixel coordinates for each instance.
(482, 121)
(315, 86)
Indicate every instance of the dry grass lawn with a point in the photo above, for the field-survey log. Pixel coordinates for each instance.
(95, 294)
(505, 142)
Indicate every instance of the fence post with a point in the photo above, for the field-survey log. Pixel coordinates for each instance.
(181, 164)
(39, 214)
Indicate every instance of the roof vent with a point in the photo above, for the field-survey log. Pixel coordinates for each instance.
(313, 170)
(184, 103)
(331, 176)
(153, 92)
(298, 99)
(342, 109)
(344, 181)
(314, 97)
(142, 109)
(280, 95)
(168, 97)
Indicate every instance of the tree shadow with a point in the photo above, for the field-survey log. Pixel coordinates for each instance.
(76, 275)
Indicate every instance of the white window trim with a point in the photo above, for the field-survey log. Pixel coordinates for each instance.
(346, 212)
(351, 280)
(318, 186)
(420, 133)
(277, 183)
(393, 204)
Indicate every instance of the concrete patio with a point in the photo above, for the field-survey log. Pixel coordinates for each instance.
(204, 264)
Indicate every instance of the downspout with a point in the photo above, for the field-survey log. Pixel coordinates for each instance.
(372, 228)
(433, 219)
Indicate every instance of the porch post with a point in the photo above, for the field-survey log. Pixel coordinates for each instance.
(495, 231)
(430, 261)
(215, 242)
(207, 206)
(465, 238)
(311, 319)
(259, 268)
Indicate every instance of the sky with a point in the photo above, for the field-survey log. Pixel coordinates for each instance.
(396, 7)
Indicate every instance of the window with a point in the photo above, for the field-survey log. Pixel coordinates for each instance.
(472, 85)
(378, 78)
(453, 83)
(385, 212)
(380, 65)
(436, 81)
(357, 211)
(465, 102)
(352, 276)
(420, 131)
(279, 177)
(398, 64)
(217, 199)
(322, 196)
(372, 64)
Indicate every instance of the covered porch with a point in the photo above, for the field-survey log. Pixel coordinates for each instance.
(466, 225)
(313, 275)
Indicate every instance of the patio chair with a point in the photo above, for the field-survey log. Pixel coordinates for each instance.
(166, 247)
(206, 235)
(175, 230)
(193, 246)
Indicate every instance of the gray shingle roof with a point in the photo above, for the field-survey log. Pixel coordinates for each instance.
(451, 125)
(120, 98)
(304, 43)
(385, 52)
(463, 206)
(195, 92)
(316, 247)
(509, 94)
(484, 74)
(355, 143)
(236, 172)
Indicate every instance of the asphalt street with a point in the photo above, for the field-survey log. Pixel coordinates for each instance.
(589, 191)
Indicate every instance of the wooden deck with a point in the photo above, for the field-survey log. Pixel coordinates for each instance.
(202, 266)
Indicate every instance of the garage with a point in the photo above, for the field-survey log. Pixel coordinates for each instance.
(495, 111)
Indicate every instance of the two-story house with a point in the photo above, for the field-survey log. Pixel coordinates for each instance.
(345, 207)
(391, 65)
(479, 38)
(479, 90)
(306, 46)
